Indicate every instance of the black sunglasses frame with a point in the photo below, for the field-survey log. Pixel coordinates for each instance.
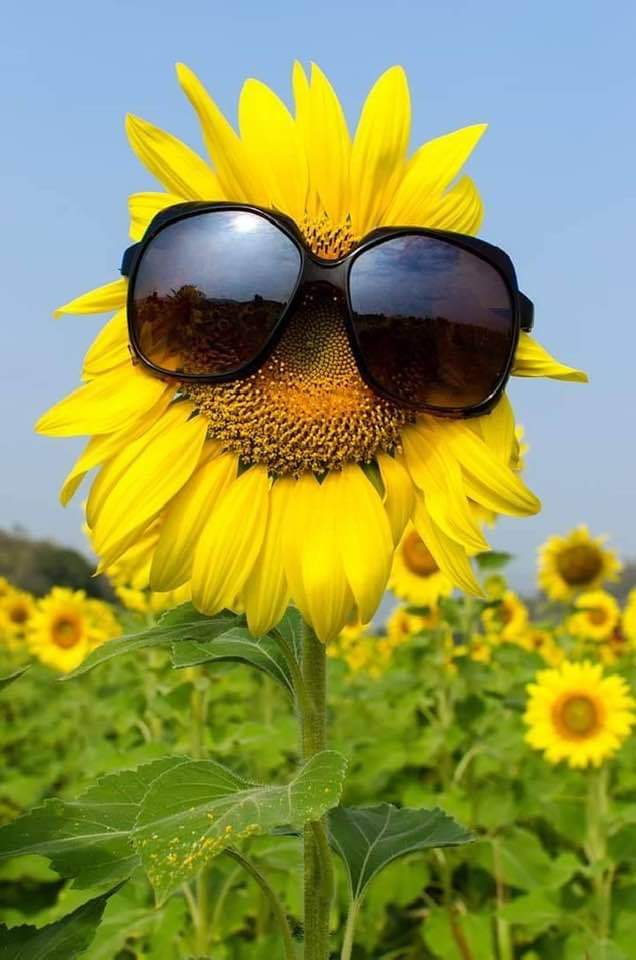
(317, 275)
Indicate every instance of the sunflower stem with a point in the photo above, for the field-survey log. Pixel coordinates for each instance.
(318, 873)
(596, 851)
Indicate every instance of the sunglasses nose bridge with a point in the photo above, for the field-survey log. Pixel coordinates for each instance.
(320, 273)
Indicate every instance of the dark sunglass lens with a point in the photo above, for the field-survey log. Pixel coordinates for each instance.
(210, 289)
(434, 323)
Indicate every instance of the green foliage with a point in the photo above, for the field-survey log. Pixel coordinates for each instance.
(63, 940)
(368, 839)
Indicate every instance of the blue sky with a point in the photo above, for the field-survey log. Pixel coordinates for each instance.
(556, 171)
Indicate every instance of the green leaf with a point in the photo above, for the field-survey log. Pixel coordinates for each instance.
(64, 940)
(88, 838)
(369, 838)
(534, 911)
(526, 865)
(196, 810)
(237, 644)
(10, 677)
(182, 623)
(492, 560)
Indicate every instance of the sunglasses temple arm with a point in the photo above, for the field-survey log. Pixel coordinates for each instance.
(128, 258)
(527, 312)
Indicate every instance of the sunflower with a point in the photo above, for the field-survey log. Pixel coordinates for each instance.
(575, 562)
(536, 640)
(597, 617)
(576, 714)
(415, 576)
(67, 626)
(508, 620)
(16, 609)
(295, 483)
(628, 622)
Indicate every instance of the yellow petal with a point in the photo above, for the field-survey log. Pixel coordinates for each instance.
(460, 210)
(329, 147)
(238, 179)
(100, 448)
(165, 458)
(429, 172)
(112, 401)
(186, 516)
(265, 595)
(438, 475)
(533, 360)
(379, 149)
(133, 486)
(178, 168)
(230, 542)
(109, 348)
(364, 536)
(451, 558)
(498, 429)
(111, 296)
(273, 145)
(298, 499)
(327, 593)
(399, 496)
(144, 207)
(486, 479)
(300, 86)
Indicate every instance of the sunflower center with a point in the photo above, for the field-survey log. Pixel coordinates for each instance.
(66, 632)
(579, 565)
(597, 616)
(326, 239)
(18, 614)
(417, 557)
(578, 715)
(306, 408)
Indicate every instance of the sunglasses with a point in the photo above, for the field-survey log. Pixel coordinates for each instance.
(433, 318)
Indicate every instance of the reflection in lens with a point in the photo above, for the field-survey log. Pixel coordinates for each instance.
(434, 323)
(210, 289)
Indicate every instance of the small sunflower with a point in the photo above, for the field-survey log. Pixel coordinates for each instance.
(401, 625)
(576, 714)
(415, 576)
(597, 617)
(5, 587)
(480, 648)
(67, 626)
(508, 620)
(628, 621)
(296, 482)
(576, 562)
(16, 610)
(536, 640)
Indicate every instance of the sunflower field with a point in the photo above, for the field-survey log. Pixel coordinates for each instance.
(308, 718)
(516, 723)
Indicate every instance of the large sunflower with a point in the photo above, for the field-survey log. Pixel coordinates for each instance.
(297, 482)
(575, 562)
(576, 714)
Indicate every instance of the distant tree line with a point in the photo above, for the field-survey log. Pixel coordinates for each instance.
(38, 565)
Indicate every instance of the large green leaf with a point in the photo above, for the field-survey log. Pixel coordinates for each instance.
(369, 838)
(64, 940)
(194, 811)
(237, 644)
(291, 629)
(182, 623)
(88, 838)
(10, 677)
